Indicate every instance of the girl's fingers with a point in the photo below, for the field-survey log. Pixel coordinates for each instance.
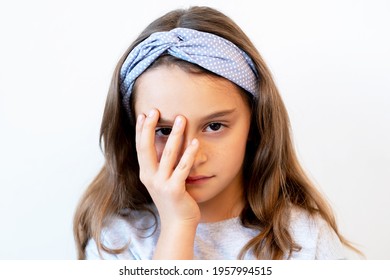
(186, 162)
(172, 147)
(147, 156)
(138, 129)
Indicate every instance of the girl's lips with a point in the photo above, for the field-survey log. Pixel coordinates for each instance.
(197, 179)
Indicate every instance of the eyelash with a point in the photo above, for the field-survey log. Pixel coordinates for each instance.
(220, 125)
(166, 131)
(161, 131)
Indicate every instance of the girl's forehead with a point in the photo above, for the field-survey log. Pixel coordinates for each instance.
(171, 89)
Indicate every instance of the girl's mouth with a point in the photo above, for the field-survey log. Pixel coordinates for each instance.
(193, 180)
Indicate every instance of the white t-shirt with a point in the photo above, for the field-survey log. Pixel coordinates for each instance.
(221, 240)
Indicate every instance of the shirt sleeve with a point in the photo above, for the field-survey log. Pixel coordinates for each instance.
(317, 239)
(92, 252)
(329, 246)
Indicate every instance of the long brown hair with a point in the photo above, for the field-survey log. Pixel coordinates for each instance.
(274, 177)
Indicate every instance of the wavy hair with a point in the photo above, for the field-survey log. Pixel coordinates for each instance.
(274, 178)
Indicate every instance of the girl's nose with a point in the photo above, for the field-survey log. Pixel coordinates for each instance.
(200, 156)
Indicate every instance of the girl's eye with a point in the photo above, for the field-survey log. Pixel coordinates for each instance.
(214, 127)
(164, 131)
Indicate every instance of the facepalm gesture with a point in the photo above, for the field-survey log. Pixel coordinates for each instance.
(165, 178)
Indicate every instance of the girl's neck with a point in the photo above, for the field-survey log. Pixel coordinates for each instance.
(217, 216)
(221, 208)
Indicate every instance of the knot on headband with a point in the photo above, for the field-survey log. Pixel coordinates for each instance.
(206, 50)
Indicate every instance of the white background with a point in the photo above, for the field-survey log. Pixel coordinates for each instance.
(330, 59)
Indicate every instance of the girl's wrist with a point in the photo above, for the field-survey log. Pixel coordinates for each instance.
(170, 224)
(176, 240)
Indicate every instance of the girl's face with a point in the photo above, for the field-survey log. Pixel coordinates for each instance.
(216, 114)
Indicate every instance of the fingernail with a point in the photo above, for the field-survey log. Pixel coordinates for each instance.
(194, 142)
(152, 113)
(178, 122)
(140, 118)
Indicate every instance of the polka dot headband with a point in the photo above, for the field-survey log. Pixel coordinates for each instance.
(207, 50)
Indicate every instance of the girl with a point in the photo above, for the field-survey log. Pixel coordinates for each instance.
(199, 162)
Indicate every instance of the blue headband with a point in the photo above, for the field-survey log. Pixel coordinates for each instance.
(207, 50)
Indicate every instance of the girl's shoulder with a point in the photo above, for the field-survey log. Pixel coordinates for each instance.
(316, 237)
(127, 230)
(137, 231)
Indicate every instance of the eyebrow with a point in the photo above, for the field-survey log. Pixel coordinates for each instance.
(214, 115)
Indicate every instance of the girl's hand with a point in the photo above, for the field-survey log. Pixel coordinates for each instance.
(165, 180)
